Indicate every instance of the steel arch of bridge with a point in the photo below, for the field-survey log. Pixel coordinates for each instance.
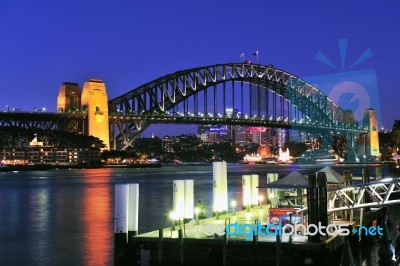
(135, 110)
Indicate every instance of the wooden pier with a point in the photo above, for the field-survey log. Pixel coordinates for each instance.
(188, 244)
(250, 237)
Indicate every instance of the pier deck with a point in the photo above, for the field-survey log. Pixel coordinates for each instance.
(194, 247)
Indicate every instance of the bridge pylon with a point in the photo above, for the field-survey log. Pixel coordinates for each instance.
(369, 141)
(69, 97)
(95, 103)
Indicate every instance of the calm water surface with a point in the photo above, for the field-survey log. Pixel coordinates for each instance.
(65, 217)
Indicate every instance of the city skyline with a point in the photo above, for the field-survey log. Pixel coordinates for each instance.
(128, 44)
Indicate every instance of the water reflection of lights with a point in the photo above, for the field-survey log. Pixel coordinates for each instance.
(97, 224)
(40, 219)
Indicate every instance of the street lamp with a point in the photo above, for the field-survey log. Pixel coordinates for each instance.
(233, 204)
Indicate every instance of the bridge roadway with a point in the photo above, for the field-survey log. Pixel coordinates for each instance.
(76, 120)
(71, 121)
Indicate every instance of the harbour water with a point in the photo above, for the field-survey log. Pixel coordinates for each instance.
(65, 217)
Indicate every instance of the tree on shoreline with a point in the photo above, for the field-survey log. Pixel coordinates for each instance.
(15, 137)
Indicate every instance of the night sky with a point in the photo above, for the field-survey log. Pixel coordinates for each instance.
(128, 43)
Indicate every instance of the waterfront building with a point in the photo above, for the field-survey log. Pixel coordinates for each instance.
(167, 144)
(49, 155)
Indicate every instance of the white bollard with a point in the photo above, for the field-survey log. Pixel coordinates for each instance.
(120, 220)
(254, 189)
(224, 203)
(188, 199)
(178, 198)
(133, 210)
(273, 193)
(121, 208)
(218, 187)
(246, 191)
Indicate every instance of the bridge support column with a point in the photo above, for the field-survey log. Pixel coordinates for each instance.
(114, 135)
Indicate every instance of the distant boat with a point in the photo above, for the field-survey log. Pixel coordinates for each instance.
(326, 160)
(135, 165)
(319, 157)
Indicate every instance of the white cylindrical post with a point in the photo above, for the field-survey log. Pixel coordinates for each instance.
(120, 220)
(254, 189)
(272, 193)
(121, 208)
(269, 191)
(133, 210)
(246, 190)
(188, 199)
(217, 186)
(178, 198)
(224, 203)
(276, 191)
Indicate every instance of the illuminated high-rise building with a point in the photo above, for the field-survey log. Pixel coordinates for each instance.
(69, 97)
(95, 103)
(213, 133)
(241, 136)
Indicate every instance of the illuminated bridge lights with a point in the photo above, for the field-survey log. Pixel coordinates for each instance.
(223, 93)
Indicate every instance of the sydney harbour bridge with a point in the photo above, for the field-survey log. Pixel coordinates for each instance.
(226, 94)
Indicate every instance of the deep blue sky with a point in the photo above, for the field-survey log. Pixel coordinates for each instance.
(128, 43)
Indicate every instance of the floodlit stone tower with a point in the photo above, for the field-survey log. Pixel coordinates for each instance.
(372, 139)
(69, 97)
(95, 103)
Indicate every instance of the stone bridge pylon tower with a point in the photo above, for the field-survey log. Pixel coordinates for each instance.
(95, 103)
(92, 103)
